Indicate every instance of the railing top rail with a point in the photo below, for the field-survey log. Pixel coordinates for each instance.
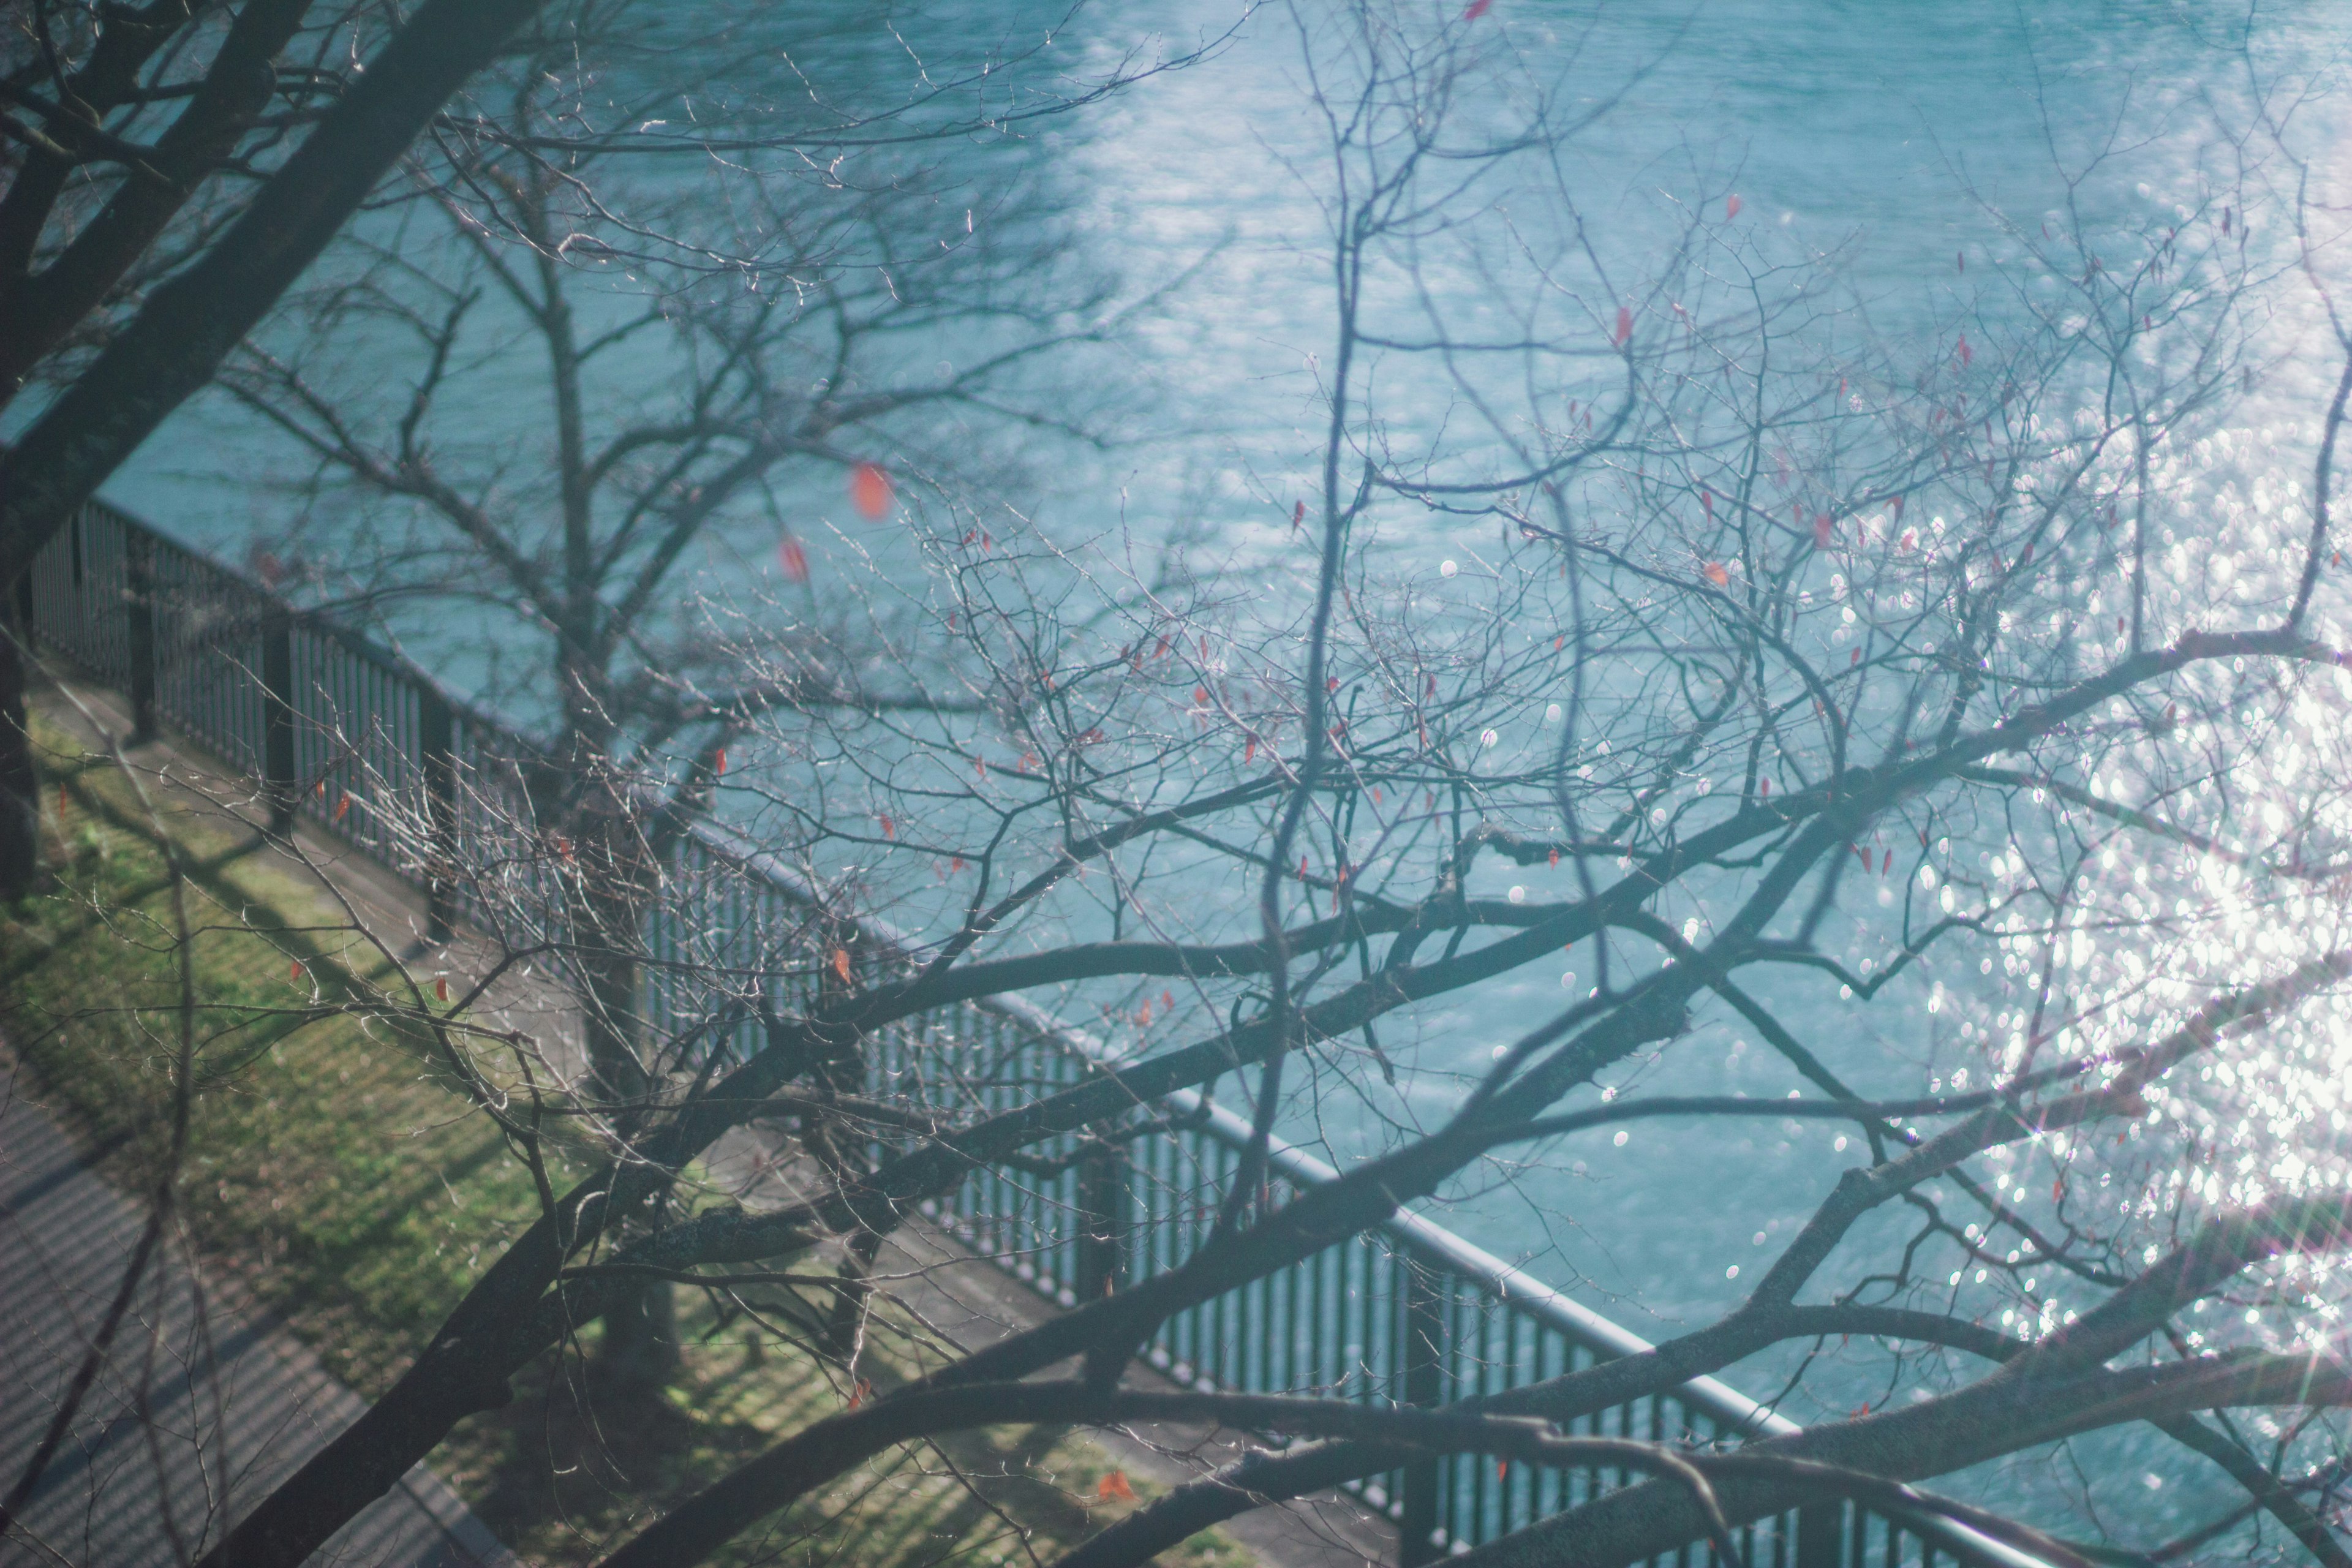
(1295, 1164)
(1420, 1235)
(1706, 1395)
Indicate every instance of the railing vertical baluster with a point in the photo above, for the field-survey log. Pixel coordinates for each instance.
(1101, 1262)
(139, 629)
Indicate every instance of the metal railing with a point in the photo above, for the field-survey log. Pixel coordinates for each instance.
(339, 730)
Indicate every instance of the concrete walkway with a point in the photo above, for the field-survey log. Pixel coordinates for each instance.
(202, 1404)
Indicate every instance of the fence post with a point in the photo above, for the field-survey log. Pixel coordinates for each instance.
(139, 629)
(437, 745)
(1820, 1535)
(279, 786)
(1101, 1263)
(1424, 1366)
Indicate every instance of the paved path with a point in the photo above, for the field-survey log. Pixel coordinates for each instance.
(202, 1407)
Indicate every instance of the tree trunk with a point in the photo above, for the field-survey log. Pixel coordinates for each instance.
(616, 885)
(639, 1354)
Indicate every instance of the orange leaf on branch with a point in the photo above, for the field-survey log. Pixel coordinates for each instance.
(869, 488)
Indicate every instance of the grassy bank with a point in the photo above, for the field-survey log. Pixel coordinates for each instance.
(344, 1182)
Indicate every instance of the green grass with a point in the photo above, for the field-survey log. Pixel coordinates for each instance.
(344, 1180)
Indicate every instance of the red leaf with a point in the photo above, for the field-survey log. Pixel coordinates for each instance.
(1716, 574)
(1297, 514)
(1967, 353)
(1200, 697)
(719, 761)
(889, 828)
(1624, 324)
(1730, 208)
(1332, 684)
(1555, 856)
(1249, 752)
(1854, 657)
(296, 977)
(869, 487)
(1764, 786)
(1707, 502)
(441, 987)
(342, 806)
(841, 963)
(1115, 1485)
(792, 559)
(1821, 527)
